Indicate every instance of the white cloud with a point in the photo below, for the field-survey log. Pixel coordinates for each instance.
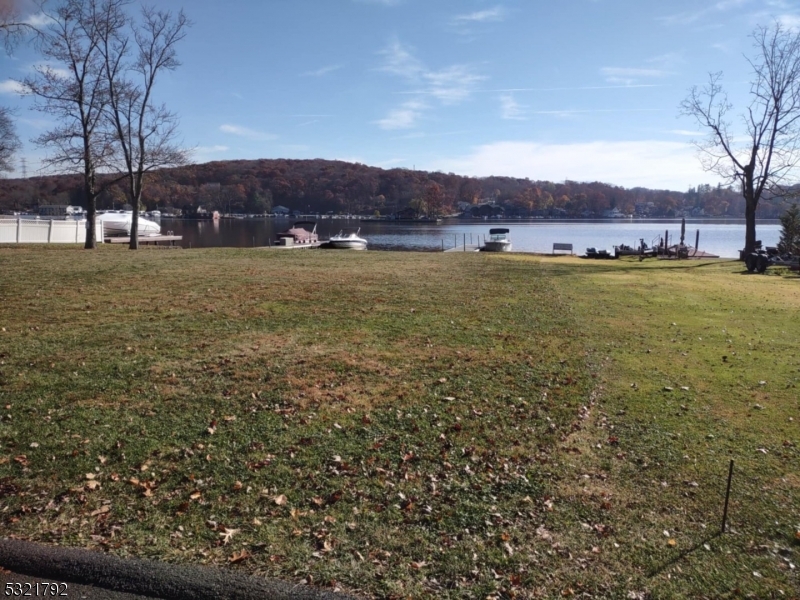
(401, 62)
(510, 109)
(38, 20)
(404, 117)
(450, 85)
(789, 21)
(692, 16)
(9, 86)
(211, 149)
(686, 133)
(497, 13)
(653, 164)
(453, 84)
(246, 132)
(322, 71)
(628, 76)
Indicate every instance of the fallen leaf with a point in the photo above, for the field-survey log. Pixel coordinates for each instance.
(280, 500)
(238, 557)
(228, 534)
(101, 511)
(419, 564)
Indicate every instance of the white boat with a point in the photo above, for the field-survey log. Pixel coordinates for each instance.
(119, 222)
(498, 241)
(348, 240)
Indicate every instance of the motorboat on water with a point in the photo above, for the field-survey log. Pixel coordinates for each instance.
(119, 222)
(302, 233)
(498, 241)
(348, 240)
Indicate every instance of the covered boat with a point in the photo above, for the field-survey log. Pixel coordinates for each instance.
(348, 240)
(302, 233)
(498, 241)
(119, 222)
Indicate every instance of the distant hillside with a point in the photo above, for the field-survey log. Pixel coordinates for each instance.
(255, 186)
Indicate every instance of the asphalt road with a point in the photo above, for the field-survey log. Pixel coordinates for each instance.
(98, 575)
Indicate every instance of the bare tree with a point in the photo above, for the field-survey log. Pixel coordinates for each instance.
(145, 133)
(9, 142)
(12, 26)
(71, 87)
(763, 156)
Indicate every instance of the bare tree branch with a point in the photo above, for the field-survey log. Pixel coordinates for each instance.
(146, 134)
(9, 142)
(764, 158)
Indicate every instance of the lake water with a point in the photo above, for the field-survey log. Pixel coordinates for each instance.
(722, 237)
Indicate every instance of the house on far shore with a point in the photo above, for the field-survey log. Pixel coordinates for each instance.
(280, 210)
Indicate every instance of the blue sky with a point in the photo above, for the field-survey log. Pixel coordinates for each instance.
(568, 89)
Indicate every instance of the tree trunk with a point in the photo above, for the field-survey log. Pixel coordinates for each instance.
(134, 243)
(91, 225)
(751, 203)
(750, 227)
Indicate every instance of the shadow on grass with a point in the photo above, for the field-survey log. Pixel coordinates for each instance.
(658, 569)
(622, 267)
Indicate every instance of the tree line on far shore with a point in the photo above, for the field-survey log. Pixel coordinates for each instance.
(256, 186)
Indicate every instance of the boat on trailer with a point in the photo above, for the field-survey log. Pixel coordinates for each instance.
(120, 222)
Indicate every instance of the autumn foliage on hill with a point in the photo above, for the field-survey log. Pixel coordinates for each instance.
(255, 186)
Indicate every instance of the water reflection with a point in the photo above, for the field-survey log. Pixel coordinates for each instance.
(722, 237)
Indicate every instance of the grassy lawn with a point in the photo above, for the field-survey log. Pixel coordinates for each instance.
(407, 424)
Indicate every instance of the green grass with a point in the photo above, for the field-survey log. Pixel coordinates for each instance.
(407, 425)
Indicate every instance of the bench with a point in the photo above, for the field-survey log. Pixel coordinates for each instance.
(562, 248)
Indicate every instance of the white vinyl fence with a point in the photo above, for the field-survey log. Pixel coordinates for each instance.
(37, 231)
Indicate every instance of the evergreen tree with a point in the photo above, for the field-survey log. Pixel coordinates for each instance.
(790, 231)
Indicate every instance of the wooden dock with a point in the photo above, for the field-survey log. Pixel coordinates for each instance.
(147, 240)
(292, 246)
(464, 248)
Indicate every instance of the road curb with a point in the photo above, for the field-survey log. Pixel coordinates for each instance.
(148, 577)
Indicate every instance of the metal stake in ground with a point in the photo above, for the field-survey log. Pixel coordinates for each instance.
(727, 496)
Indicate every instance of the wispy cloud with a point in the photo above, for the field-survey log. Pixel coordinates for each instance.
(510, 109)
(453, 84)
(549, 89)
(654, 164)
(693, 16)
(790, 21)
(322, 71)
(382, 2)
(404, 117)
(400, 61)
(497, 13)
(211, 149)
(449, 85)
(9, 86)
(686, 132)
(467, 23)
(629, 76)
(245, 132)
(38, 20)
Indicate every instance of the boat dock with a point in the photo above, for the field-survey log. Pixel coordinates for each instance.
(146, 240)
(464, 248)
(293, 246)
